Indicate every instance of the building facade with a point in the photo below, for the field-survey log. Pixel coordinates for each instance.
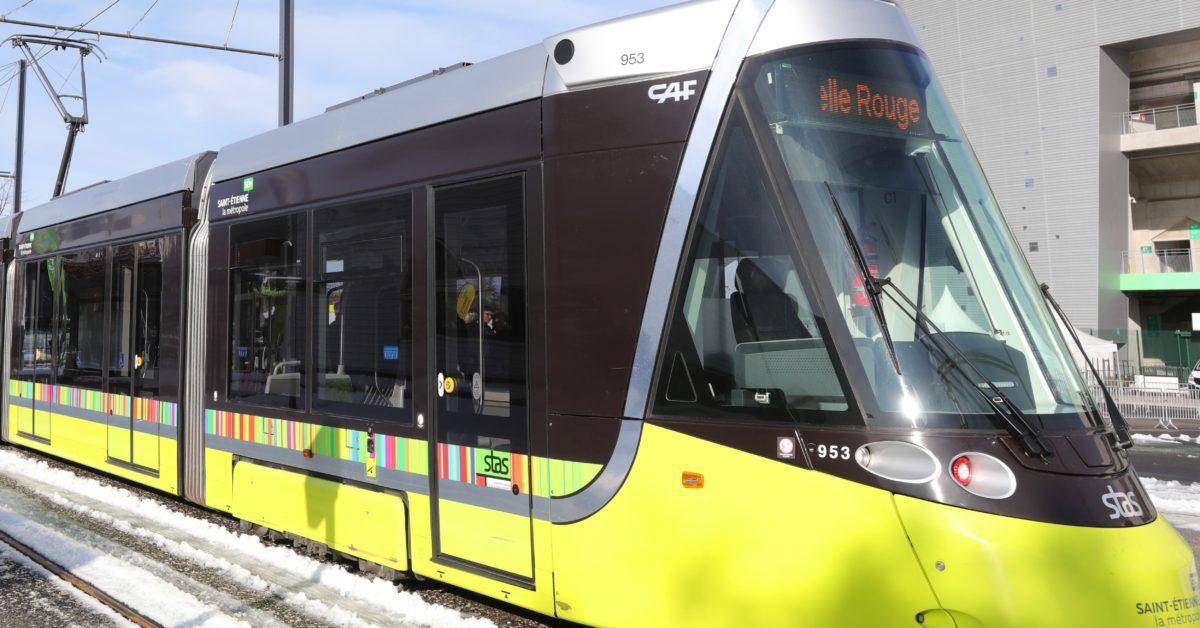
(1083, 113)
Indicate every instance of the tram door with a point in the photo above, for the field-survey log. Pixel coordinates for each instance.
(37, 347)
(480, 470)
(135, 288)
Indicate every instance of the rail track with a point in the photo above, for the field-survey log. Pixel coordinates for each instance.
(65, 575)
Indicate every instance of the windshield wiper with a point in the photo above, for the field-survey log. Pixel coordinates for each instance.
(871, 284)
(1018, 424)
(1119, 431)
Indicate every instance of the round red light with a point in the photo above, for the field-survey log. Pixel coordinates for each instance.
(961, 470)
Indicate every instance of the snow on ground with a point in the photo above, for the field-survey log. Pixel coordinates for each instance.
(1165, 439)
(1180, 502)
(327, 591)
(89, 602)
(134, 586)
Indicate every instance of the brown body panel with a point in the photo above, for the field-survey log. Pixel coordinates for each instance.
(617, 117)
(482, 143)
(147, 217)
(604, 218)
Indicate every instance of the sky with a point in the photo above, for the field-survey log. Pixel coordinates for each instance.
(152, 103)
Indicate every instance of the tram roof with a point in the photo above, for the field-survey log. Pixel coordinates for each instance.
(525, 74)
(177, 176)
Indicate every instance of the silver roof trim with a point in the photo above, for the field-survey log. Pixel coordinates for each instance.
(795, 22)
(176, 176)
(671, 40)
(505, 80)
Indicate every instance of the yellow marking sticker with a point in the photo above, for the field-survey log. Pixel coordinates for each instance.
(449, 385)
(466, 298)
(371, 467)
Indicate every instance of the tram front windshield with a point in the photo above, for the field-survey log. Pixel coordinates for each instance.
(866, 131)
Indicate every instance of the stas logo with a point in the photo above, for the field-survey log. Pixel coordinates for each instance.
(679, 90)
(495, 465)
(1121, 504)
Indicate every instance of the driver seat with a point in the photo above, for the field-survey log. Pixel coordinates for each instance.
(760, 309)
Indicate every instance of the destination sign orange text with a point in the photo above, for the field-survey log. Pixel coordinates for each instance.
(865, 102)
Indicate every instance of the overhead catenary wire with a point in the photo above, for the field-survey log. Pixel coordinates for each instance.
(102, 12)
(67, 78)
(139, 21)
(45, 50)
(48, 49)
(158, 40)
(23, 5)
(7, 90)
(11, 72)
(233, 19)
(72, 31)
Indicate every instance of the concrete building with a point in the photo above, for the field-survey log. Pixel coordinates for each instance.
(1083, 113)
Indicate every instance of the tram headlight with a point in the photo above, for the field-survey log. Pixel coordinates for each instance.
(898, 461)
(961, 471)
(983, 475)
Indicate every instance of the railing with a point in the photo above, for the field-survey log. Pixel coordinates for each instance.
(1159, 119)
(1169, 401)
(1161, 261)
(1169, 408)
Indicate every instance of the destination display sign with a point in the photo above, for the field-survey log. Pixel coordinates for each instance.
(850, 100)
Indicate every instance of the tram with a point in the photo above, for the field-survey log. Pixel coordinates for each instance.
(702, 316)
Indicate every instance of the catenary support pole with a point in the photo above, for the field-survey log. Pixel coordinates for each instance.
(19, 165)
(286, 57)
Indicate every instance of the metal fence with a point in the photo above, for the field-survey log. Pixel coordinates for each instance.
(1169, 408)
(1159, 119)
(1160, 261)
(1143, 396)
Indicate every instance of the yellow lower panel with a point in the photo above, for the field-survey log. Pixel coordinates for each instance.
(218, 479)
(145, 454)
(1002, 572)
(22, 418)
(86, 442)
(539, 599)
(762, 544)
(42, 423)
(367, 524)
(119, 447)
(497, 539)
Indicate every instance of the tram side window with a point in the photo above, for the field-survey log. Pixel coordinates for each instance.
(148, 323)
(744, 340)
(362, 294)
(80, 282)
(267, 289)
(37, 317)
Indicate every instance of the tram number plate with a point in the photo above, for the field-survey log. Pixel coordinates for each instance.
(831, 452)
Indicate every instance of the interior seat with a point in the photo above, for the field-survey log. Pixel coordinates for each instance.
(760, 308)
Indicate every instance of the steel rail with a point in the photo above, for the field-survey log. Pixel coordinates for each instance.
(63, 574)
(159, 40)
